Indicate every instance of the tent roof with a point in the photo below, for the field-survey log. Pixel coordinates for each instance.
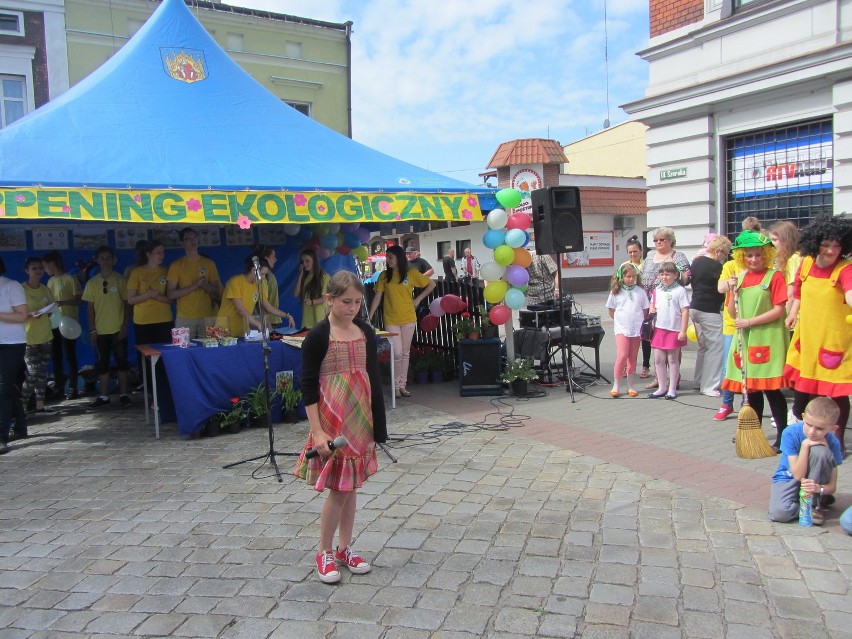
(129, 124)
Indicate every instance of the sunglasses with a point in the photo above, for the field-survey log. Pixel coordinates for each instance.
(105, 287)
(660, 239)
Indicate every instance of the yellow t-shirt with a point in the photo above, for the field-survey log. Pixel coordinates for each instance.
(142, 279)
(397, 296)
(729, 270)
(109, 295)
(793, 264)
(66, 287)
(238, 288)
(185, 272)
(38, 328)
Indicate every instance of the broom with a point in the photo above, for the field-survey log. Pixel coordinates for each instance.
(750, 440)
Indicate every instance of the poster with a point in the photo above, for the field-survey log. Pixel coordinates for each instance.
(126, 237)
(49, 239)
(208, 236)
(13, 240)
(271, 235)
(169, 237)
(235, 236)
(85, 239)
(597, 251)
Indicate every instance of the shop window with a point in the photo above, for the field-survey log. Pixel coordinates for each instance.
(783, 173)
(12, 104)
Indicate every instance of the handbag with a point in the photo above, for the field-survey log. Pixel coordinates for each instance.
(649, 325)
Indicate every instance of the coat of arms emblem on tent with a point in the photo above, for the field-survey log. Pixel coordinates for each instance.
(183, 66)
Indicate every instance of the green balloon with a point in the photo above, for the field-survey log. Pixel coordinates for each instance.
(523, 288)
(362, 253)
(509, 198)
(504, 255)
(495, 291)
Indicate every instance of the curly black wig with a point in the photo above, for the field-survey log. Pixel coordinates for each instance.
(828, 227)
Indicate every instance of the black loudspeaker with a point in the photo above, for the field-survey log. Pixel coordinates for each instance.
(556, 219)
(480, 367)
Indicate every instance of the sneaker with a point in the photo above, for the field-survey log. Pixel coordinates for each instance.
(817, 516)
(712, 393)
(326, 568)
(100, 401)
(124, 400)
(351, 560)
(723, 413)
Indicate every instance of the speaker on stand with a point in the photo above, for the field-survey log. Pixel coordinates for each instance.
(558, 228)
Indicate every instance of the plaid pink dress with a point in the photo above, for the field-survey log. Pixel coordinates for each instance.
(344, 409)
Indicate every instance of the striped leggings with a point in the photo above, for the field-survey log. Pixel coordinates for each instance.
(36, 359)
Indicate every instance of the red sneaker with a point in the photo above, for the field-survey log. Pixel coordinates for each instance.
(723, 413)
(326, 568)
(351, 560)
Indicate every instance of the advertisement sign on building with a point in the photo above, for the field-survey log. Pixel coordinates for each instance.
(526, 181)
(598, 251)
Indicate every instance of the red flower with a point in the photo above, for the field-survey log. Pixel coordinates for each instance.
(235, 400)
(465, 314)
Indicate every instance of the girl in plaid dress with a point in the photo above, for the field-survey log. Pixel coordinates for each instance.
(343, 396)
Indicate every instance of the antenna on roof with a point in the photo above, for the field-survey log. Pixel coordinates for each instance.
(606, 67)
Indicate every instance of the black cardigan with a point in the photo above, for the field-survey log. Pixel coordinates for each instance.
(314, 350)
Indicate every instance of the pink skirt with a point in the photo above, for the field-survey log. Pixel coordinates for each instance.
(666, 340)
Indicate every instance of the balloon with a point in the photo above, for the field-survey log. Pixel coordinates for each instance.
(522, 257)
(509, 198)
(351, 240)
(344, 250)
(55, 319)
(517, 275)
(499, 314)
(329, 241)
(69, 328)
(504, 255)
(362, 253)
(495, 291)
(523, 289)
(491, 271)
(292, 229)
(496, 219)
(334, 227)
(520, 221)
(493, 238)
(515, 299)
(435, 308)
(691, 333)
(313, 243)
(323, 253)
(429, 323)
(515, 238)
(452, 303)
(363, 234)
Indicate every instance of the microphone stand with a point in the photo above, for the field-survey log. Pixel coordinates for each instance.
(566, 367)
(267, 349)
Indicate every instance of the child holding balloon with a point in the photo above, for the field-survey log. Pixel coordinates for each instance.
(628, 306)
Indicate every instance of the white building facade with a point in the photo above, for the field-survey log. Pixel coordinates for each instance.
(749, 109)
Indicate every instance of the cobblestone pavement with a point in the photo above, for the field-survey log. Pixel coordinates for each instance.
(508, 529)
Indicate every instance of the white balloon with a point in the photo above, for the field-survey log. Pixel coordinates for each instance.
(292, 229)
(492, 271)
(497, 219)
(69, 328)
(55, 318)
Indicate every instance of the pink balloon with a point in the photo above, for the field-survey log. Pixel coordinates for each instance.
(499, 314)
(453, 304)
(323, 253)
(429, 323)
(518, 221)
(435, 307)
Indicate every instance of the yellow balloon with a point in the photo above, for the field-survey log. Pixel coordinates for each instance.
(691, 333)
(495, 291)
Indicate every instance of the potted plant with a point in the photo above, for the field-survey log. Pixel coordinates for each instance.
(420, 363)
(436, 365)
(464, 328)
(448, 364)
(518, 374)
(257, 405)
(290, 398)
(489, 330)
(232, 420)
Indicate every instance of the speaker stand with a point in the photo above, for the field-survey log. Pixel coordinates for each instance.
(566, 369)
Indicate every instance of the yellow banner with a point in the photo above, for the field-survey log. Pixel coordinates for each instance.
(226, 207)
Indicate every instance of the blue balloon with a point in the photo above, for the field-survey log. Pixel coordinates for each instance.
(494, 238)
(305, 233)
(351, 240)
(515, 238)
(526, 238)
(515, 299)
(329, 241)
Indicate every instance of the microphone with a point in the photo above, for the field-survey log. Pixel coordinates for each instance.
(256, 261)
(338, 442)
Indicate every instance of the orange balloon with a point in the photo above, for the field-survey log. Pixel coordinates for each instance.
(522, 257)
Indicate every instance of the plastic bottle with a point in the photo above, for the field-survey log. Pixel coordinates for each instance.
(805, 518)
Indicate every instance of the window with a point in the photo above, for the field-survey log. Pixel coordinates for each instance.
(293, 49)
(11, 23)
(783, 173)
(443, 247)
(12, 105)
(302, 107)
(235, 42)
(739, 5)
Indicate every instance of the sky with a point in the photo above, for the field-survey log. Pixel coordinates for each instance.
(442, 83)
